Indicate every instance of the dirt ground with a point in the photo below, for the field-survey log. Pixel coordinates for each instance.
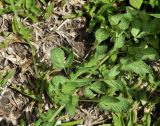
(17, 55)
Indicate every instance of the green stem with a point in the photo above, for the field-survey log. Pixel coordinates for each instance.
(56, 113)
(34, 61)
(71, 123)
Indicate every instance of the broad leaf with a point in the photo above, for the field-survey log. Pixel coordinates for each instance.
(139, 67)
(71, 105)
(143, 53)
(115, 104)
(55, 84)
(119, 41)
(136, 27)
(102, 34)
(97, 87)
(155, 15)
(117, 85)
(58, 58)
(153, 3)
(136, 3)
(115, 19)
(112, 73)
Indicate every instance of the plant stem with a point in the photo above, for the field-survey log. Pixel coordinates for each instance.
(56, 113)
(71, 123)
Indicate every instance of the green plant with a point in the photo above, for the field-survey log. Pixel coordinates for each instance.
(30, 10)
(118, 75)
(5, 75)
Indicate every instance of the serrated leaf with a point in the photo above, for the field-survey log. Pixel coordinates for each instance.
(112, 73)
(136, 3)
(97, 87)
(102, 34)
(115, 104)
(118, 119)
(70, 86)
(143, 53)
(117, 85)
(55, 84)
(139, 67)
(71, 105)
(58, 58)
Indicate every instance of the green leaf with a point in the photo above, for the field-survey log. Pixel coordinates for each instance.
(119, 41)
(139, 67)
(71, 105)
(103, 9)
(35, 10)
(70, 86)
(143, 53)
(124, 24)
(97, 87)
(153, 3)
(101, 49)
(58, 58)
(118, 120)
(115, 104)
(154, 42)
(92, 24)
(155, 15)
(115, 19)
(136, 3)
(25, 32)
(136, 27)
(5, 76)
(69, 60)
(131, 11)
(102, 34)
(15, 24)
(55, 84)
(29, 3)
(112, 73)
(49, 10)
(117, 85)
